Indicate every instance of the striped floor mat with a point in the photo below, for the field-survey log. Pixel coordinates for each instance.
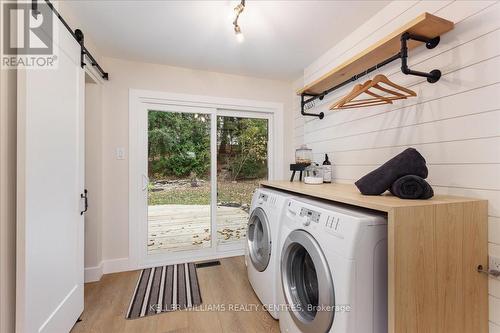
(162, 289)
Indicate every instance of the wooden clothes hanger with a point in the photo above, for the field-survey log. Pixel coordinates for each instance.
(357, 88)
(380, 78)
(349, 102)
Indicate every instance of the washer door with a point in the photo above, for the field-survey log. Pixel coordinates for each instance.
(307, 283)
(259, 239)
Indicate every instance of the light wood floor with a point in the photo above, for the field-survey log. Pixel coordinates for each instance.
(106, 303)
(187, 227)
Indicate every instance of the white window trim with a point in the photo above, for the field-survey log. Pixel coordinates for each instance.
(140, 100)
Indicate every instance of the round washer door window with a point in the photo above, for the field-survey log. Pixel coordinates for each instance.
(307, 283)
(259, 239)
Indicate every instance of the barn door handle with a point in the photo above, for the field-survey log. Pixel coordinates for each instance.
(84, 196)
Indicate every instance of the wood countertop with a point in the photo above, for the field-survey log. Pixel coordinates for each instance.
(349, 194)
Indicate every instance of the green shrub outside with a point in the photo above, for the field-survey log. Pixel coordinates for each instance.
(179, 146)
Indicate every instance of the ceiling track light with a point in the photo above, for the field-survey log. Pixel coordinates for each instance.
(237, 29)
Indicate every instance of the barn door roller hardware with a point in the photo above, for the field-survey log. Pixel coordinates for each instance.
(84, 52)
(426, 28)
(77, 35)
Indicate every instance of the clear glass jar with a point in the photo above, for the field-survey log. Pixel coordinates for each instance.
(303, 155)
(314, 174)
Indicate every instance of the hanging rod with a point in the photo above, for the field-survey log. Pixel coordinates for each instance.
(432, 77)
(77, 35)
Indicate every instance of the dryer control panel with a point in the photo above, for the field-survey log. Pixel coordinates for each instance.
(310, 214)
(319, 219)
(339, 227)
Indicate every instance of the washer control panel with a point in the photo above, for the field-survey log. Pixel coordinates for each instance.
(311, 215)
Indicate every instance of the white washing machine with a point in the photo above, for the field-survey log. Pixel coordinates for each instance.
(262, 251)
(333, 269)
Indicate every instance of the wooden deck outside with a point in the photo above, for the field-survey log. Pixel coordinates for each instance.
(186, 227)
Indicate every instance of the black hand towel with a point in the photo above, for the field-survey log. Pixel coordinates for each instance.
(412, 187)
(409, 162)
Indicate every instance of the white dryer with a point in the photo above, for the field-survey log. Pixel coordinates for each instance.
(333, 269)
(262, 251)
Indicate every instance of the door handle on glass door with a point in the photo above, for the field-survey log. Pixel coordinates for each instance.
(145, 182)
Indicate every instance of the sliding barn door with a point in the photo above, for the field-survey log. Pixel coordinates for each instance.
(50, 183)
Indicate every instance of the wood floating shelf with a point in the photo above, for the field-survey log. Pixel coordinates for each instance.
(426, 28)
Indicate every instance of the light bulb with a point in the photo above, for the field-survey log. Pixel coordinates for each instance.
(240, 37)
(237, 30)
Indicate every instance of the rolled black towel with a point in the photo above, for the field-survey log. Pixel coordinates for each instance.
(412, 187)
(409, 162)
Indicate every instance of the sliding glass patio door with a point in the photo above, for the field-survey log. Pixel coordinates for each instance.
(242, 162)
(203, 165)
(179, 189)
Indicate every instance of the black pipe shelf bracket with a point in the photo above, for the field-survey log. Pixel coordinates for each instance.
(77, 35)
(309, 100)
(434, 75)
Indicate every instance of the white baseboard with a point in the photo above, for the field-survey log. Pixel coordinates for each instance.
(116, 265)
(182, 259)
(93, 274)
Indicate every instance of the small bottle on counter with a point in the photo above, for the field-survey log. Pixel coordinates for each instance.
(327, 170)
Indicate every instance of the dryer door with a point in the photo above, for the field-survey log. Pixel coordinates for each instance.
(307, 283)
(259, 239)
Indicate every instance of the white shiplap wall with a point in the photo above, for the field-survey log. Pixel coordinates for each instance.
(454, 123)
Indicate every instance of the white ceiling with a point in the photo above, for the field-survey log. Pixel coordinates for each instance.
(281, 37)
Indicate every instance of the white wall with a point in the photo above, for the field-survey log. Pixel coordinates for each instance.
(454, 123)
(93, 180)
(125, 75)
(71, 17)
(8, 114)
(93, 153)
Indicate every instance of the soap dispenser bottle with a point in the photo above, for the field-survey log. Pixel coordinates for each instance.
(327, 170)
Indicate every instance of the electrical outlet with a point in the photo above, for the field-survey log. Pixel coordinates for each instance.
(494, 263)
